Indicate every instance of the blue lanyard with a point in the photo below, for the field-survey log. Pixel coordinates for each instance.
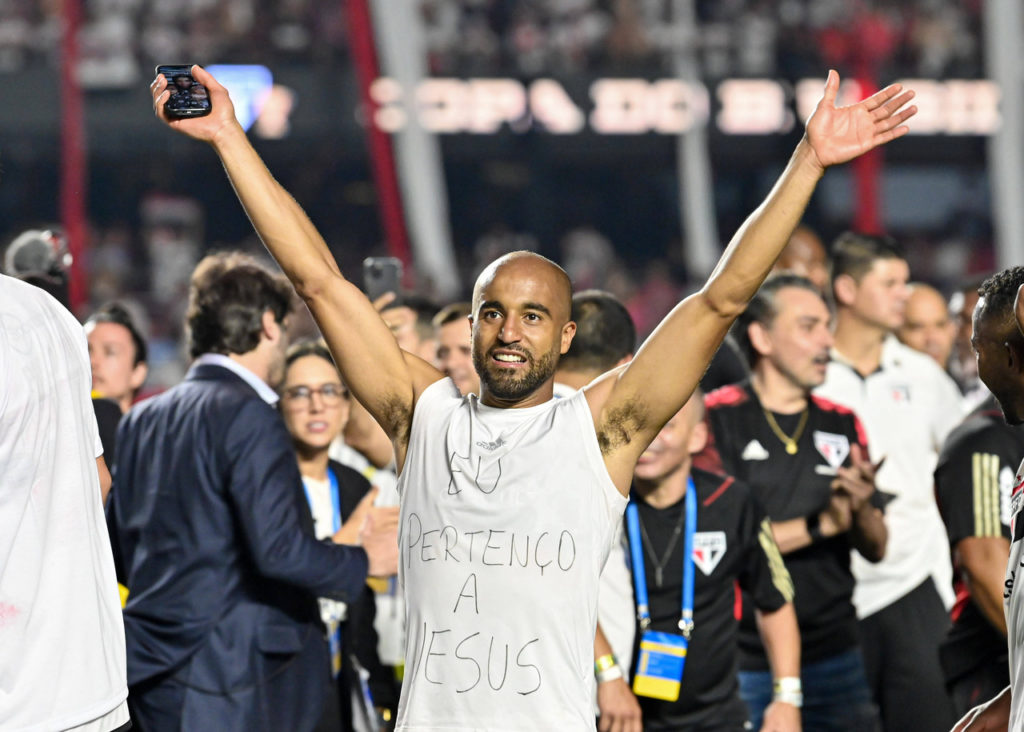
(636, 550)
(335, 500)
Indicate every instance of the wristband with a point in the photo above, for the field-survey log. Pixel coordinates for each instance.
(609, 674)
(788, 690)
(605, 662)
(814, 529)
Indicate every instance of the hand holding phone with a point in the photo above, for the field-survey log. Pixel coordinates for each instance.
(186, 96)
(382, 275)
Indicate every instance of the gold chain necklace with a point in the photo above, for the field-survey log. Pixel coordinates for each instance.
(787, 440)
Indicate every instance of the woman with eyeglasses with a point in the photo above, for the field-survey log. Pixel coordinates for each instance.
(315, 406)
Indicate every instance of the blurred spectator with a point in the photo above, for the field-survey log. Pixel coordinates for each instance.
(749, 38)
(315, 406)
(455, 346)
(495, 242)
(238, 545)
(963, 363)
(805, 255)
(110, 263)
(654, 297)
(908, 405)
(806, 460)
(927, 326)
(40, 257)
(412, 324)
(587, 257)
(117, 354)
(742, 555)
(973, 483)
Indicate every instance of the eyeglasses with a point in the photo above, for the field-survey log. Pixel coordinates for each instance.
(299, 397)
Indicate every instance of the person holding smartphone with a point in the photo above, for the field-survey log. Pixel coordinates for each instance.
(500, 637)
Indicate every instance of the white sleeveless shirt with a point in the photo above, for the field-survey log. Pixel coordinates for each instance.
(507, 517)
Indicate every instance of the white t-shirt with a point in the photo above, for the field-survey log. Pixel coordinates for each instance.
(507, 517)
(62, 651)
(907, 407)
(1013, 605)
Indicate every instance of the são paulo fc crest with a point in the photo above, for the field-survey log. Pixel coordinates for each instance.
(708, 550)
(834, 448)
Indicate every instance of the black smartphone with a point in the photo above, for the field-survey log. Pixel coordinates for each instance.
(188, 98)
(380, 275)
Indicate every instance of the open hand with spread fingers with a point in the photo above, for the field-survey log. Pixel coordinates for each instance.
(839, 134)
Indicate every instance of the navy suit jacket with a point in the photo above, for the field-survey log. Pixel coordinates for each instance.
(213, 537)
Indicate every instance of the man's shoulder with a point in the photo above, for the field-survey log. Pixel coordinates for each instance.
(33, 309)
(905, 360)
(214, 393)
(19, 291)
(900, 354)
(718, 489)
(837, 415)
(733, 395)
(826, 405)
(442, 393)
(982, 431)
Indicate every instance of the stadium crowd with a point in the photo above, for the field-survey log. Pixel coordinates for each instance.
(122, 39)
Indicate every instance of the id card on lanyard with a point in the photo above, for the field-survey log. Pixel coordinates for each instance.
(333, 625)
(659, 668)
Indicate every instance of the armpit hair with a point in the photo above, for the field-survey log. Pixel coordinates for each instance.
(396, 415)
(621, 425)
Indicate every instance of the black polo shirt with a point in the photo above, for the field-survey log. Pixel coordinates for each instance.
(733, 549)
(792, 486)
(973, 482)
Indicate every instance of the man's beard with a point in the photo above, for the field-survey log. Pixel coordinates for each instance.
(506, 384)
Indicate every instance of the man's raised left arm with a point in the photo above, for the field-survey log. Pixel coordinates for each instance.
(657, 383)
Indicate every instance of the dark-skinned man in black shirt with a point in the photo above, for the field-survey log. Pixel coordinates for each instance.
(973, 481)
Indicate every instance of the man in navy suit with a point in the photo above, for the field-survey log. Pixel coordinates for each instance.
(212, 535)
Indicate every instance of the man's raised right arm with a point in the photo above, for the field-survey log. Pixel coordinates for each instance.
(373, 366)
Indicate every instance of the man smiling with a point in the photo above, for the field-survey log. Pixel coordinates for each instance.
(491, 645)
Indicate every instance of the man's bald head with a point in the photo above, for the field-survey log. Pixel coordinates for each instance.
(529, 264)
(805, 255)
(927, 326)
